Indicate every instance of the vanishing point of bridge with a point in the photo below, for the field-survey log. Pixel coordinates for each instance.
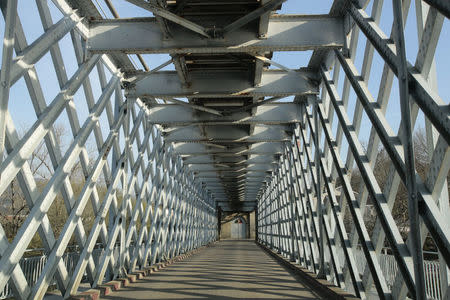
(126, 167)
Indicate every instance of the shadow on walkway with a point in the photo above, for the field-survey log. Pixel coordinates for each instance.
(231, 269)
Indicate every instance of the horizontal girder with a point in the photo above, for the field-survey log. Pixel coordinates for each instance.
(167, 84)
(202, 149)
(247, 204)
(252, 167)
(229, 209)
(173, 115)
(216, 179)
(236, 160)
(216, 184)
(228, 134)
(232, 174)
(218, 190)
(239, 205)
(235, 170)
(243, 203)
(285, 33)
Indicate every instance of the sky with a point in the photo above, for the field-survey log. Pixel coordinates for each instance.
(23, 114)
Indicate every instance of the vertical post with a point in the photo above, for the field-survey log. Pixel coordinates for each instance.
(219, 222)
(423, 12)
(413, 205)
(256, 224)
(321, 273)
(112, 213)
(248, 225)
(278, 201)
(123, 207)
(272, 214)
(5, 74)
(294, 201)
(289, 203)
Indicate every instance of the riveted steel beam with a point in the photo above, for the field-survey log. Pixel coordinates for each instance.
(166, 84)
(250, 179)
(285, 33)
(233, 209)
(231, 173)
(228, 134)
(161, 12)
(175, 115)
(269, 6)
(212, 167)
(237, 160)
(232, 206)
(193, 149)
(249, 204)
(441, 5)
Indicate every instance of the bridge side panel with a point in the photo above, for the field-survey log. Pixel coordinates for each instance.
(89, 177)
(334, 202)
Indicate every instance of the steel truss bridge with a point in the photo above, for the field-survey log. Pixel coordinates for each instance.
(177, 149)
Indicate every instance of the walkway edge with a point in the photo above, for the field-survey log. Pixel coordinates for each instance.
(322, 287)
(117, 284)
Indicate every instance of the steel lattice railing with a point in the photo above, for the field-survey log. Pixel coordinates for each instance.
(149, 197)
(292, 221)
(147, 206)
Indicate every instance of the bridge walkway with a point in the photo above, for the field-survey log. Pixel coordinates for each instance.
(230, 269)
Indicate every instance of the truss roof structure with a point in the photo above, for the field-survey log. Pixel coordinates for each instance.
(226, 131)
(223, 126)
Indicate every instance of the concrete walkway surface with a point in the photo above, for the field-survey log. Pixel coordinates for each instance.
(230, 269)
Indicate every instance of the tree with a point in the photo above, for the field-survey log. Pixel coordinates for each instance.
(381, 171)
(13, 206)
(13, 209)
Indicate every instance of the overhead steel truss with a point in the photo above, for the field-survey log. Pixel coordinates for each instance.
(284, 33)
(215, 84)
(164, 168)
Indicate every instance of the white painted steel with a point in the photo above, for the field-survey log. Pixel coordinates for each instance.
(159, 173)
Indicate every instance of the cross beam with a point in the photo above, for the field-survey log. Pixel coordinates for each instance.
(199, 168)
(210, 159)
(285, 33)
(252, 179)
(167, 84)
(176, 115)
(237, 206)
(228, 134)
(192, 149)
